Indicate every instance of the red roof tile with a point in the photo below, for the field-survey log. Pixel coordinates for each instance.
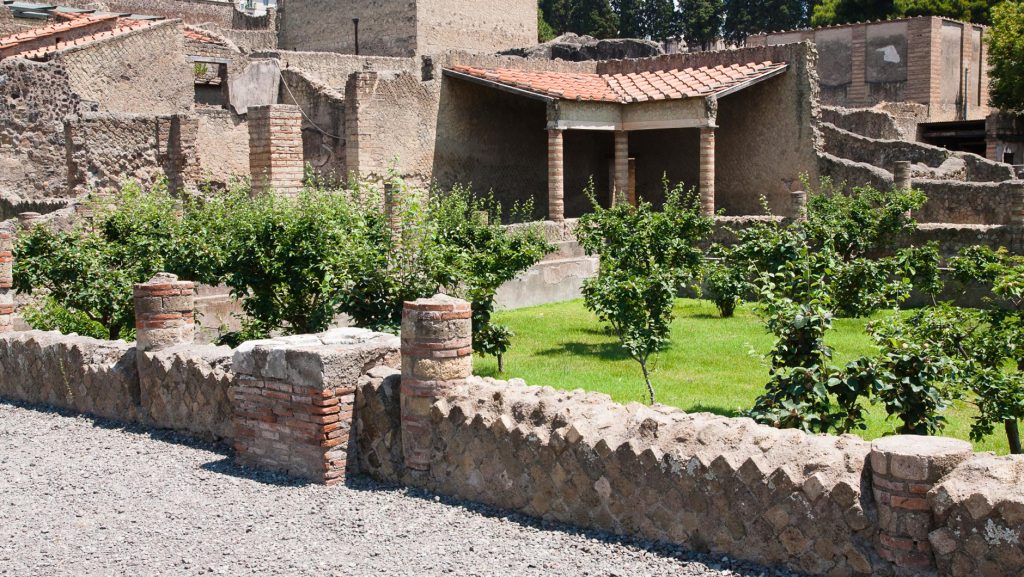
(193, 34)
(122, 26)
(625, 88)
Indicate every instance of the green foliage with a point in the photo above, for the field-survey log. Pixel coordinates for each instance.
(701, 21)
(89, 271)
(844, 11)
(726, 287)
(646, 258)
(1006, 56)
(49, 315)
(544, 30)
(743, 18)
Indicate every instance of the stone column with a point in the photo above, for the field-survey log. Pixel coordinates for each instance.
(707, 171)
(275, 149)
(556, 182)
(904, 468)
(901, 175)
(6, 282)
(164, 313)
(437, 355)
(620, 184)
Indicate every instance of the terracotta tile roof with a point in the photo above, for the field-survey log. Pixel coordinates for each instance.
(122, 26)
(193, 34)
(626, 88)
(70, 25)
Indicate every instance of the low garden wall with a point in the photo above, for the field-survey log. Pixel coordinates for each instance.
(823, 505)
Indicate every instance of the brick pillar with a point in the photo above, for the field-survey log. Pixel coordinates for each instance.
(164, 313)
(437, 354)
(556, 182)
(798, 205)
(857, 91)
(901, 175)
(707, 171)
(620, 173)
(904, 468)
(6, 282)
(393, 209)
(275, 149)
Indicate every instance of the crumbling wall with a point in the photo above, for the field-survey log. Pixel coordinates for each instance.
(143, 71)
(70, 372)
(969, 202)
(334, 70)
(105, 149)
(323, 122)
(186, 388)
(34, 98)
(222, 146)
(867, 122)
(979, 508)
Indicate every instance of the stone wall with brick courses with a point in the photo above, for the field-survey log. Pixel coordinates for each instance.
(6, 281)
(275, 148)
(323, 123)
(969, 202)
(70, 372)
(187, 388)
(104, 149)
(222, 145)
(979, 518)
(867, 122)
(386, 27)
(293, 399)
(192, 11)
(143, 71)
(34, 99)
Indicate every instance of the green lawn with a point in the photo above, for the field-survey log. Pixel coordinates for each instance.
(713, 364)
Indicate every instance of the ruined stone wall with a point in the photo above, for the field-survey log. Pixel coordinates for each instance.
(969, 202)
(249, 40)
(476, 26)
(105, 149)
(222, 145)
(334, 70)
(865, 122)
(186, 388)
(386, 27)
(323, 123)
(191, 11)
(34, 99)
(70, 372)
(143, 71)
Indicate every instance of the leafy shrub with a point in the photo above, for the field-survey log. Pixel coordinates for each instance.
(646, 258)
(726, 287)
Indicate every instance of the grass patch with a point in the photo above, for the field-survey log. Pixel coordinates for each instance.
(713, 364)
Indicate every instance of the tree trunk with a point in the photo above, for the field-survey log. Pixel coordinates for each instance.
(1013, 436)
(501, 364)
(647, 380)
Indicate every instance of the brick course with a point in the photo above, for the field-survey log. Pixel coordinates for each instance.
(275, 149)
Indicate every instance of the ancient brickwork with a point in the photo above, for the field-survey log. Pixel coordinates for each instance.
(323, 123)
(904, 469)
(475, 26)
(164, 312)
(143, 71)
(6, 282)
(191, 11)
(867, 122)
(386, 27)
(106, 148)
(979, 203)
(222, 146)
(186, 388)
(275, 148)
(333, 70)
(293, 399)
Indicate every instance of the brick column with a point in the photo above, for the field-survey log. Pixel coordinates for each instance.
(6, 282)
(798, 205)
(902, 178)
(556, 182)
(164, 313)
(437, 354)
(275, 149)
(857, 92)
(620, 174)
(707, 171)
(294, 397)
(904, 468)
(393, 209)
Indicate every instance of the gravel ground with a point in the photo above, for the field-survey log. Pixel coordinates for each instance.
(85, 497)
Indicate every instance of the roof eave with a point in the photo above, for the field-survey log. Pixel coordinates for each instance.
(499, 85)
(752, 81)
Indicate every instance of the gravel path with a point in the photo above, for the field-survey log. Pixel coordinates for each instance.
(86, 497)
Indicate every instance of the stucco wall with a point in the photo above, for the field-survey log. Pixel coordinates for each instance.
(143, 71)
(489, 26)
(222, 145)
(386, 27)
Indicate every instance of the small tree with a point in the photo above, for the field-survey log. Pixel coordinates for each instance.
(647, 257)
(88, 272)
(1006, 56)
